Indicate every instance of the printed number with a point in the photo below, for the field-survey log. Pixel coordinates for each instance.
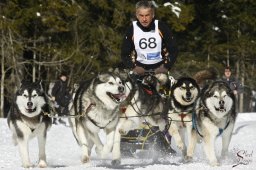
(144, 43)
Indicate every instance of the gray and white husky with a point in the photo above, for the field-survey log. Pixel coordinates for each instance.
(184, 94)
(143, 104)
(27, 119)
(214, 117)
(97, 102)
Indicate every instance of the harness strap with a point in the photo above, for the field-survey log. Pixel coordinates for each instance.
(221, 130)
(182, 116)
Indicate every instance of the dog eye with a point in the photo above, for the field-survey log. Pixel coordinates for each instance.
(111, 83)
(25, 95)
(34, 95)
(215, 96)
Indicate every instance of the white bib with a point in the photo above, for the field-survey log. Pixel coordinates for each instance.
(148, 45)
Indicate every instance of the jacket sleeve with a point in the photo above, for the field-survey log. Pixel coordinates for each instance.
(169, 43)
(55, 88)
(127, 48)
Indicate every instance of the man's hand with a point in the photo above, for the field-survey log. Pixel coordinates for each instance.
(139, 70)
(161, 69)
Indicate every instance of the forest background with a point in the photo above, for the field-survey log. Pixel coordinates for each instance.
(41, 38)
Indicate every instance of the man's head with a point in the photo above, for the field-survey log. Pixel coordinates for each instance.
(227, 72)
(145, 12)
(63, 76)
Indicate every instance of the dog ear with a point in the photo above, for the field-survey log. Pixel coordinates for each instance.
(40, 86)
(103, 77)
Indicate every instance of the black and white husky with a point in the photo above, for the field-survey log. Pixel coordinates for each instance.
(27, 119)
(143, 104)
(96, 104)
(184, 94)
(214, 117)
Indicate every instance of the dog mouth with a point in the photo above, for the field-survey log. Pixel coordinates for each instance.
(220, 109)
(30, 110)
(187, 99)
(116, 97)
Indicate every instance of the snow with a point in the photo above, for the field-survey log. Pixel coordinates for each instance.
(63, 152)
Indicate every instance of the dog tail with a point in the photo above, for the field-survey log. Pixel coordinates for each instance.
(207, 74)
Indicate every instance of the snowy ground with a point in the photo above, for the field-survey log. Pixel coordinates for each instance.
(63, 152)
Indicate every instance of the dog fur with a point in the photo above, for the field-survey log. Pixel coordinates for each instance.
(214, 117)
(97, 101)
(26, 120)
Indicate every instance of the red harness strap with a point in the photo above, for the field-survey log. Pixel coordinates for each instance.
(182, 115)
(150, 92)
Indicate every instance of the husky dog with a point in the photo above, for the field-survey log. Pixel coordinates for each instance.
(184, 93)
(215, 116)
(27, 119)
(97, 102)
(144, 104)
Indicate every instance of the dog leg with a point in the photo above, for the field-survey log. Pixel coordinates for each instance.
(84, 143)
(109, 142)
(209, 142)
(24, 152)
(192, 139)
(41, 143)
(96, 140)
(116, 151)
(22, 141)
(226, 137)
(174, 132)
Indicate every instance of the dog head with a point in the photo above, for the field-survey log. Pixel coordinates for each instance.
(218, 98)
(110, 87)
(185, 91)
(30, 98)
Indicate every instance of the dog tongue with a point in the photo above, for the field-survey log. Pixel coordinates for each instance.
(119, 96)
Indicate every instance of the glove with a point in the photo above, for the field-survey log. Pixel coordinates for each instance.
(139, 70)
(161, 69)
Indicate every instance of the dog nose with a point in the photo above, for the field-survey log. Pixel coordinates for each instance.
(29, 104)
(221, 102)
(121, 89)
(188, 94)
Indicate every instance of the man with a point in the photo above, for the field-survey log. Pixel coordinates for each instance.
(234, 84)
(149, 46)
(61, 96)
(148, 43)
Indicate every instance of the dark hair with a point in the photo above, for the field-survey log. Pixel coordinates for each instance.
(63, 74)
(227, 68)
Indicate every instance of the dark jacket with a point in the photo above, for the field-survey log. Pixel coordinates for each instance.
(234, 84)
(167, 39)
(61, 93)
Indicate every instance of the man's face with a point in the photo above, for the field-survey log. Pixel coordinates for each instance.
(63, 78)
(227, 73)
(145, 16)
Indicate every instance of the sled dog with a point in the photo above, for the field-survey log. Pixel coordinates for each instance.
(183, 95)
(143, 104)
(26, 120)
(215, 117)
(97, 101)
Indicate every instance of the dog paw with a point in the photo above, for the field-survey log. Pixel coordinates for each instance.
(42, 164)
(85, 159)
(188, 159)
(27, 165)
(214, 163)
(116, 162)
